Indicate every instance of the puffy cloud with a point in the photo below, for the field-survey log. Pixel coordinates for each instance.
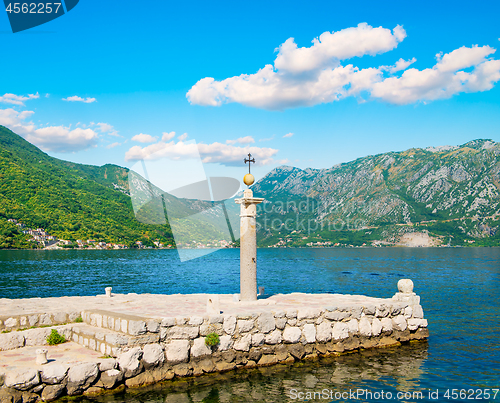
(113, 145)
(288, 135)
(242, 140)
(52, 138)
(183, 137)
(331, 47)
(14, 99)
(315, 75)
(167, 136)
(225, 154)
(76, 98)
(144, 138)
(443, 80)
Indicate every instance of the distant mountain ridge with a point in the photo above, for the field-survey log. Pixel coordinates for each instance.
(438, 183)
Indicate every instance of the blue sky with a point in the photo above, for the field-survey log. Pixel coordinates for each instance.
(110, 72)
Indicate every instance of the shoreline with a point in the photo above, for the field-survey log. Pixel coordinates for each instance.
(265, 248)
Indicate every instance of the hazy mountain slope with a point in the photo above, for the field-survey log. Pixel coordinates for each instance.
(394, 188)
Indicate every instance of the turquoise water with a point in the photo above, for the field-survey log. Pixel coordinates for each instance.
(459, 289)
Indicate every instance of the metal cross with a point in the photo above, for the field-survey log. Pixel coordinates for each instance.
(249, 160)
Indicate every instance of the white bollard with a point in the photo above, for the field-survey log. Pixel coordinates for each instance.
(261, 291)
(213, 305)
(108, 291)
(41, 356)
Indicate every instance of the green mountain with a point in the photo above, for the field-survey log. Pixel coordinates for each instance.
(444, 195)
(74, 201)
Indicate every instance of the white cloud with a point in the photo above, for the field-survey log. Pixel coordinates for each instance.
(443, 80)
(51, 138)
(183, 137)
(144, 138)
(401, 64)
(288, 135)
(331, 47)
(76, 98)
(242, 140)
(108, 129)
(14, 99)
(210, 153)
(167, 136)
(315, 75)
(113, 145)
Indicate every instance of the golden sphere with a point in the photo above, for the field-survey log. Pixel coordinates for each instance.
(248, 179)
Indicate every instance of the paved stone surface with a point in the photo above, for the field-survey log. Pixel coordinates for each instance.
(179, 305)
(67, 353)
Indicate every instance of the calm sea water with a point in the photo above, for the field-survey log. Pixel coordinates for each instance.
(459, 289)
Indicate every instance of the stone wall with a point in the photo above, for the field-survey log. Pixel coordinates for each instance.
(148, 350)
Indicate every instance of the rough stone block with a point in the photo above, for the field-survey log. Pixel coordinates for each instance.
(376, 327)
(243, 344)
(418, 312)
(309, 313)
(212, 319)
(136, 327)
(258, 339)
(340, 331)
(399, 323)
(229, 324)
(153, 326)
(274, 337)
(196, 321)
(324, 332)
(365, 328)
(292, 334)
(11, 322)
(245, 325)
(81, 376)
(353, 326)
(309, 332)
(10, 341)
(153, 355)
(53, 373)
(187, 332)
(52, 392)
(177, 351)
(199, 348)
(168, 322)
(110, 378)
(106, 364)
(225, 343)
(22, 379)
(129, 362)
(266, 322)
(337, 315)
(291, 313)
(386, 324)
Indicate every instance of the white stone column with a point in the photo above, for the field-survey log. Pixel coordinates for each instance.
(248, 246)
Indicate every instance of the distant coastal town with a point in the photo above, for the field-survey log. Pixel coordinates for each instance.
(41, 239)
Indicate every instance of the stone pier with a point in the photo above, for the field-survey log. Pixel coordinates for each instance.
(131, 340)
(248, 245)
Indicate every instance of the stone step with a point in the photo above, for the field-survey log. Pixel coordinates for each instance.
(123, 323)
(108, 341)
